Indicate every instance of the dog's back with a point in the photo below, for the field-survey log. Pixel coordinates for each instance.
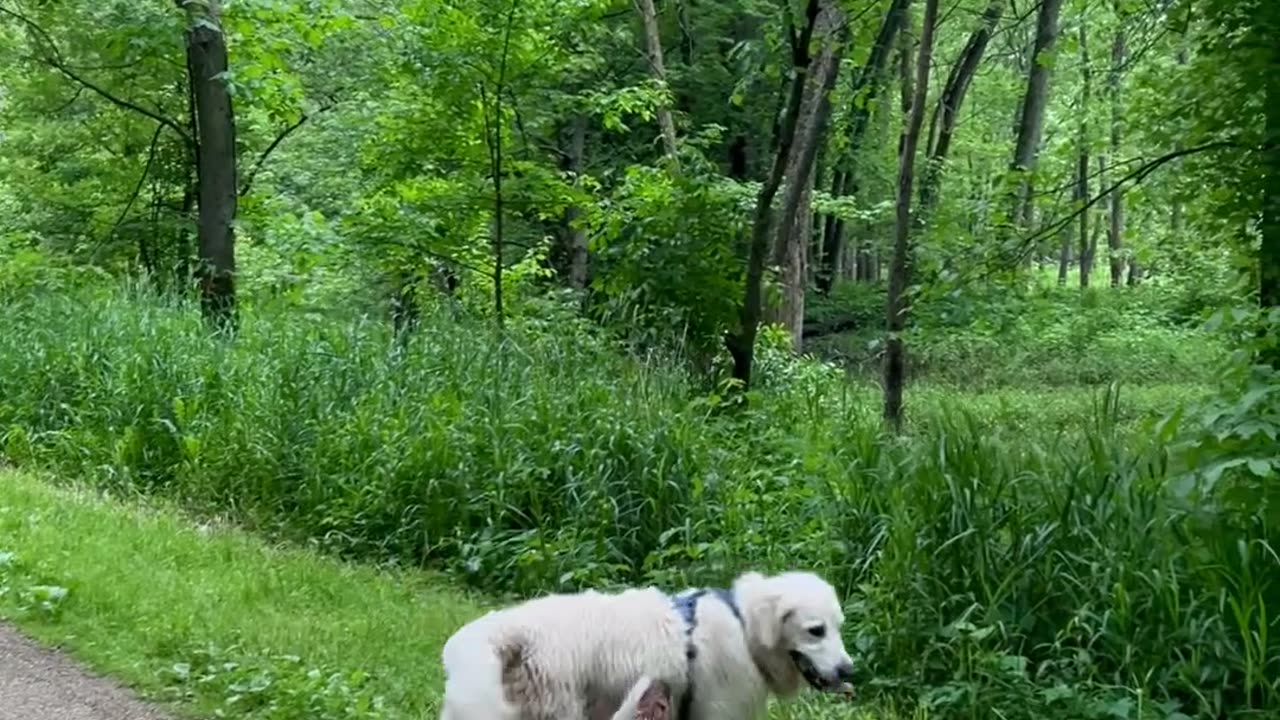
(565, 656)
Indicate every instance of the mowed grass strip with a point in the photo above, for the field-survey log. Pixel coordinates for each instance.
(214, 622)
(163, 604)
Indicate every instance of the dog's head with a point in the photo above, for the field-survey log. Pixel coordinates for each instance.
(793, 626)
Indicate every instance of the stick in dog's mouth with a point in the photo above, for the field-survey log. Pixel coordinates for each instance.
(844, 689)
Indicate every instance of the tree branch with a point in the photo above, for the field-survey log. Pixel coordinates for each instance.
(434, 255)
(69, 103)
(1135, 177)
(284, 134)
(800, 56)
(137, 190)
(54, 59)
(1027, 244)
(122, 103)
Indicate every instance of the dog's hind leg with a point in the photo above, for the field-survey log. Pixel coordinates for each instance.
(649, 699)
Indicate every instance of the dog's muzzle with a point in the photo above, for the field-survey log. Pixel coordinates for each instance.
(839, 682)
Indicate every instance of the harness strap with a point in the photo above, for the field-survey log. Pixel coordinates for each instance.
(687, 605)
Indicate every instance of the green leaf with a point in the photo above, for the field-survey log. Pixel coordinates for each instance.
(1263, 467)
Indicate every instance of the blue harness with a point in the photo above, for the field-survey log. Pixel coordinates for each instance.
(687, 605)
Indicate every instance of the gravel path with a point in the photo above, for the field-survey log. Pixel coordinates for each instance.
(40, 684)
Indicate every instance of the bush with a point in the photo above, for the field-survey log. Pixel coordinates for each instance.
(1011, 572)
(666, 266)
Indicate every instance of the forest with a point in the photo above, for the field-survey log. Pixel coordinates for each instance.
(972, 306)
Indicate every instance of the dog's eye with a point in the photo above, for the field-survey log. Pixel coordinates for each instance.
(818, 631)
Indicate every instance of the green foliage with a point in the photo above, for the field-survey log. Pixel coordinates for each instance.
(993, 570)
(272, 688)
(1026, 551)
(1240, 435)
(26, 595)
(1230, 500)
(1040, 336)
(666, 257)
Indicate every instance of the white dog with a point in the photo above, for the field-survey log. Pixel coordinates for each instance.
(591, 655)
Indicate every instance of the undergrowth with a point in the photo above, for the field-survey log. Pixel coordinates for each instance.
(1030, 336)
(992, 570)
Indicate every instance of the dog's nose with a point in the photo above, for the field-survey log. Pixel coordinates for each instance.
(844, 671)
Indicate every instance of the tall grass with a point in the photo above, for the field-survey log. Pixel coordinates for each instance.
(1046, 336)
(992, 571)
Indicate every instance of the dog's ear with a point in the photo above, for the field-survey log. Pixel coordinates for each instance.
(763, 607)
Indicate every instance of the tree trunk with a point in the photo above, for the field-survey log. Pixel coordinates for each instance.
(738, 159)
(657, 68)
(182, 268)
(1136, 273)
(817, 226)
(1034, 102)
(577, 232)
(686, 31)
(906, 79)
(795, 219)
(866, 86)
(1081, 195)
(1177, 221)
(1064, 254)
(868, 262)
(405, 310)
(741, 342)
(1269, 249)
(900, 269)
(943, 125)
(1099, 221)
(1115, 231)
(215, 162)
(828, 258)
(493, 139)
(791, 257)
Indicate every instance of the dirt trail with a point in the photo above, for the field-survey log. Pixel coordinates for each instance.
(40, 684)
